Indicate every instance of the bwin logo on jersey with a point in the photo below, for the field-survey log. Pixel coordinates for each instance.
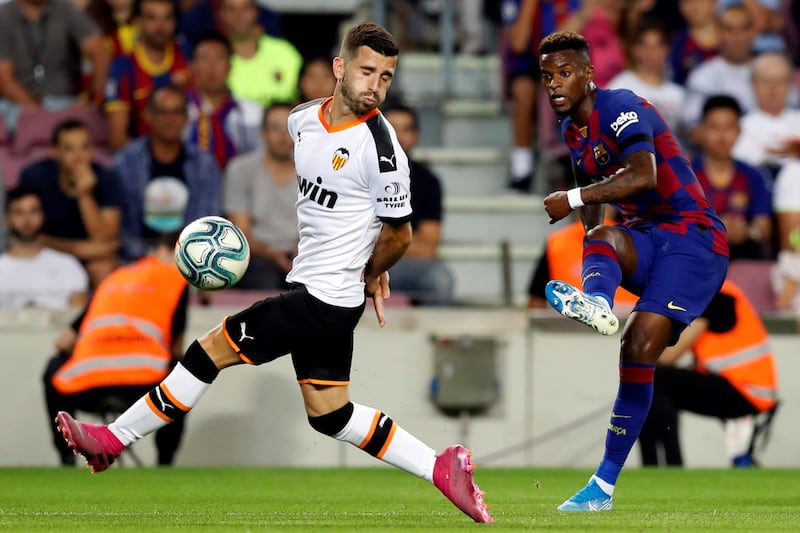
(340, 157)
(316, 192)
(625, 119)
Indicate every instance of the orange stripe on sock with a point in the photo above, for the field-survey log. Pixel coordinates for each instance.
(160, 415)
(172, 398)
(371, 429)
(388, 441)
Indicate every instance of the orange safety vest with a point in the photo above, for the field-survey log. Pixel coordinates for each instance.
(565, 260)
(741, 355)
(126, 335)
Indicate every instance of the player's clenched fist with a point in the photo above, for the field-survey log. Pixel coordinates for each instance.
(557, 206)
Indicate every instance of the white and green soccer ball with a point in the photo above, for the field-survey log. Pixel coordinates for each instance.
(212, 253)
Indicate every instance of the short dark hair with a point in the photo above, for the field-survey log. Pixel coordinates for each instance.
(565, 40)
(370, 35)
(270, 108)
(137, 7)
(647, 25)
(408, 110)
(721, 101)
(168, 89)
(212, 36)
(69, 124)
(18, 192)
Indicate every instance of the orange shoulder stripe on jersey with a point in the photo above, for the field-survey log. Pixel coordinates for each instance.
(172, 398)
(388, 441)
(372, 428)
(153, 408)
(340, 127)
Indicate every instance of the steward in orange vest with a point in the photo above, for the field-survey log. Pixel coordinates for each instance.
(124, 344)
(734, 375)
(563, 259)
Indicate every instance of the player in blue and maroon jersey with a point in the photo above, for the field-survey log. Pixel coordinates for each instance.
(671, 249)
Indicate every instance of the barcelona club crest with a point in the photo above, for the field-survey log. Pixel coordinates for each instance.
(340, 157)
(600, 153)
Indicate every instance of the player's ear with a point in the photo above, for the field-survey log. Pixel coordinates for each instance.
(338, 68)
(589, 73)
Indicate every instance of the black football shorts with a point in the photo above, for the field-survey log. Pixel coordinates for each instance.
(318, 335)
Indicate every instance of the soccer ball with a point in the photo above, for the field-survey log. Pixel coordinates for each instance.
(212, 253)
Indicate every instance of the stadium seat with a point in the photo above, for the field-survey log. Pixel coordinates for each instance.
(35, 126)
(754, 278)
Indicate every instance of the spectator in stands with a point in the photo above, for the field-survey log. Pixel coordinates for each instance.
(316, 78)
(648, 50)
(116, 21)
(259, 197)
(698, 42)
(264, 69)
(772, 123)
(739, 193)
(139, 310)
(562, 260)
(156, 61)
(218, 123)
(41, 42)
(204, 16)
(768, 22)
(163, 153)
(82, 200)
(786, 274)
(728, 73)
(733, 376)
(420, 273)
(30, 273)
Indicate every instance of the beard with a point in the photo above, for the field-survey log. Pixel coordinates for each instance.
(352, 101)
(26, 238)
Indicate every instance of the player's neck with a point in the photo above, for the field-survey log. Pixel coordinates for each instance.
(583, 112)
(336, 112)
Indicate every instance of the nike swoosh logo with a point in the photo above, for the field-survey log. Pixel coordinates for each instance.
(615, 415)
(674, 307)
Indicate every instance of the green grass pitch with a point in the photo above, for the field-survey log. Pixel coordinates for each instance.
(380, 499)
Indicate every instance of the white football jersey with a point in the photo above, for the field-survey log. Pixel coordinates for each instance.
(350, 177)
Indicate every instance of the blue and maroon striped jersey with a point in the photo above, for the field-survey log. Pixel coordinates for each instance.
(623, 123)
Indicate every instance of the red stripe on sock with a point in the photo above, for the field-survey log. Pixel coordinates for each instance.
(600, 248)
(636, 374)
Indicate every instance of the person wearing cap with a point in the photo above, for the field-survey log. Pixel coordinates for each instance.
(163, 153)
(131, 334)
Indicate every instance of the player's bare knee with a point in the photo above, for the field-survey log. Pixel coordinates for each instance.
(637, 346)
(218, 349)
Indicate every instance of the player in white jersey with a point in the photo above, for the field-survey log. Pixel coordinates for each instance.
(353, 213)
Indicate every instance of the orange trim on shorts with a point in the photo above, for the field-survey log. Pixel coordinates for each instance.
(233, 344)
(374, 425)
(312, 381)
(388, 441)
(172, 398)
(158, 413)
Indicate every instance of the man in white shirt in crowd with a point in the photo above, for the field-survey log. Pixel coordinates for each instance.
(32, 275)
(728, 73)
(773, 123)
